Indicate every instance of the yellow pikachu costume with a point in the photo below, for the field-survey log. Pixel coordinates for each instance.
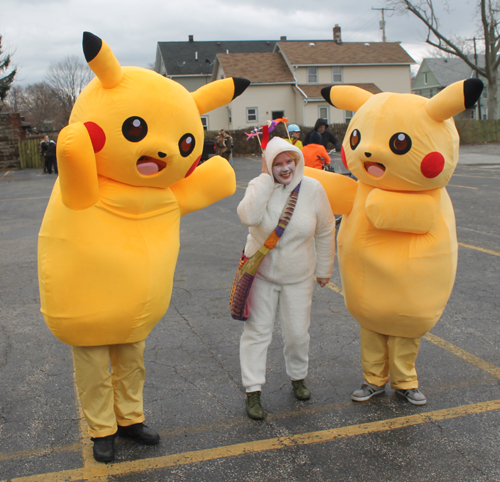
(397, 244)
(109, 240)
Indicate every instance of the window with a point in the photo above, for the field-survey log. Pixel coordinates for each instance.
(312, 75)
(323, 112)
(204, 122)
(472, 116)
(425, 78)
(485, 92)
(229, 116)
(348, 114)
(252, 114)
(337, 75)
(277, 114)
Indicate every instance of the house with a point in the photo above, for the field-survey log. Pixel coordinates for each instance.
(191, 63)
(437, 73)
(287, 80)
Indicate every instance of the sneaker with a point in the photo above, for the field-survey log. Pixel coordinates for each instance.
(140, 433)
(413, 395)
(104, 448)
(367, 391)
(300, 390)
(254, 407)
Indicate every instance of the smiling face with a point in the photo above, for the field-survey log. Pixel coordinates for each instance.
(392, 143)
(144, 131)
(283, 168)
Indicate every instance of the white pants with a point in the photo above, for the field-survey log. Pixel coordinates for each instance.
(293, 302)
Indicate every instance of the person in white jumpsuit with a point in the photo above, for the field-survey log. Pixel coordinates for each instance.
(285, 280)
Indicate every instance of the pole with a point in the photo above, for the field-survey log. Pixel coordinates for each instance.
(382, 23)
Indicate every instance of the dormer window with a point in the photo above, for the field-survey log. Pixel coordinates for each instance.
(312, 75)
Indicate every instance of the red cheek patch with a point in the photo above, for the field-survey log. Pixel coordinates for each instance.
(193, 167)
(342, 155)
(432, 165)
(97, 136)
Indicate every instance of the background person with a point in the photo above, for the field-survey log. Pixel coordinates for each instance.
(224, 145)
(294, 131)
(315, 154)
(43, 151)
(285, 279)
(327, 137)
(51, 157)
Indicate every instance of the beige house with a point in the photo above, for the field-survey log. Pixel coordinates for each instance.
(287, 75)
(288, 82)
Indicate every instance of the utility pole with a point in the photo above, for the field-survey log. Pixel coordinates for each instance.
(477, 76)
(382, 22)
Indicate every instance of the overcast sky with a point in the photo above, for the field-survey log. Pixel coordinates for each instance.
(39, 32)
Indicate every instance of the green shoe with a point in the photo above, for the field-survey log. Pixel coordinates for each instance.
(300, 390)
(254, 408)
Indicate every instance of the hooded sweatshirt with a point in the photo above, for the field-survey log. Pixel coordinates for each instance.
(307, 246)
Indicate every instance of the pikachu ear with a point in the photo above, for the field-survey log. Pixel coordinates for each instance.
(219, 93)
(454, 99)
(345, 97)
(102, 60)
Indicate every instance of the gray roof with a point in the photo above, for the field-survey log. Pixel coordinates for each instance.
(180, 57)
(448, 71)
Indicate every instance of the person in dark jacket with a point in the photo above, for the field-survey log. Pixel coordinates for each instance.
(50, 157)
(327, 137)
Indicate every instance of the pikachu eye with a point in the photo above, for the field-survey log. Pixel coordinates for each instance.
(186, 144)
(400, 143)
(134, 129)
(355, 139)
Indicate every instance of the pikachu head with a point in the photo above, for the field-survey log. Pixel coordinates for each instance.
(403, 142)
(145, 129)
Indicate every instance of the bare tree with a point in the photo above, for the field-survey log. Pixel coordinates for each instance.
(489, 11)
(68, 78)
(6, 80)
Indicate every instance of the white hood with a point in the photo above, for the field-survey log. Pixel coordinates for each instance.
(276, 146)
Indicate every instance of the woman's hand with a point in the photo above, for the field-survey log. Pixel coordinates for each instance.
(264, 170)
(322, 281)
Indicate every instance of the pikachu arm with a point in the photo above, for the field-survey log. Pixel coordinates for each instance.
(403, 212)
(77, 167)
(340, 190)
(212, 181)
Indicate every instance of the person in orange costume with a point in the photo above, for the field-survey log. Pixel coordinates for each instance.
(315, 154)
(109, 239)
(397, 243)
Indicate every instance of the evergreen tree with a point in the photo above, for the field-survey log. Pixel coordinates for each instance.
(5, 80)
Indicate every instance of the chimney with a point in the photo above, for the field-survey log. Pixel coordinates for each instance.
(191, 38)
(283, 38)
(337, 35)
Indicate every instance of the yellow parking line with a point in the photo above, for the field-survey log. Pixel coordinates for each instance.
(6, 173)
(469, 357)
(477, 248)
(478, 177)
(465, 187)
(241, 187)
(259, 446)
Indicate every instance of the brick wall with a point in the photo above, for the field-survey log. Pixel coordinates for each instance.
(10, 135)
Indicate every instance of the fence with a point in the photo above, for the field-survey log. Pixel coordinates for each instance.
(476, 132)
(29, 154)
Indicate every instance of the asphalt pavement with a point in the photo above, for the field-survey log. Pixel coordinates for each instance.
(193, 393)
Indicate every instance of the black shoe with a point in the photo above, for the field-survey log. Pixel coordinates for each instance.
(104, 448)
(140, 433)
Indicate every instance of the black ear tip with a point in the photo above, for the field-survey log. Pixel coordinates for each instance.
(239, 86)
(325, 92)
(91, 45)
(472, 91)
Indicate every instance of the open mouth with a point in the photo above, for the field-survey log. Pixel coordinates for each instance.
(375, 169)
(147, 166)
